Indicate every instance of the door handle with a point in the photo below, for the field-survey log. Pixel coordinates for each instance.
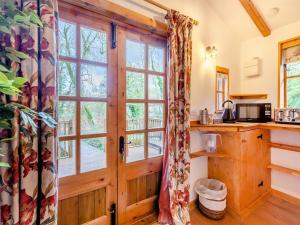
(260, 136)
(122, 144)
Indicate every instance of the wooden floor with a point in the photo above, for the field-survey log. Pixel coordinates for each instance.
(273, 211)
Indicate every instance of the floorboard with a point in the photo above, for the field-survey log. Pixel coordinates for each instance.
(273, 211)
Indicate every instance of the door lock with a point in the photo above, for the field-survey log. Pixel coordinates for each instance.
(122, 144)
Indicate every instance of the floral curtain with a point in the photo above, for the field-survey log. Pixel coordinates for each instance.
(28, 193)
(174, 194)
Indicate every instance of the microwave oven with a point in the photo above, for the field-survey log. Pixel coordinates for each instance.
(254, 112)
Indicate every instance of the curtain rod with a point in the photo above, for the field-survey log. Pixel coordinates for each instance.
(165, 8)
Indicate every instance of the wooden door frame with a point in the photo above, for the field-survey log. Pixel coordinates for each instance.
(103, 178)
(129, 171)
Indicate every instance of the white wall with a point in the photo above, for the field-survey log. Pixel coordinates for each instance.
(210, 31)
(267, 50)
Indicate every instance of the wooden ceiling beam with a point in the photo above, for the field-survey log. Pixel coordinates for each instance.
(256, 17)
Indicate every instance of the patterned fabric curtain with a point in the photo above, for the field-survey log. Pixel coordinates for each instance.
(28, 188)
(174, 194)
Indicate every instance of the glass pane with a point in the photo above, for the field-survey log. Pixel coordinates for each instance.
(220, 101)
(293, 93)
(135, 85)
(135, 116)
(156, 115)
(93, 81)
(293, 69)
(219, 83)
(93, 117)
(136, 148)
(66, 158)
(92, 154)
(93, 45)
(67, 39)
(156, 87)
(135, 54)
(155, 143)
(66, 79)
(66, 118)
(226, 89)
(156, 59)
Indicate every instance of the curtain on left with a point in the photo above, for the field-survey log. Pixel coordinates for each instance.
(28, 190)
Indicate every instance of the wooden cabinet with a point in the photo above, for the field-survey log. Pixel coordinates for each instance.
(245, 173)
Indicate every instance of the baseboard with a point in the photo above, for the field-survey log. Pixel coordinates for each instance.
(285, 196)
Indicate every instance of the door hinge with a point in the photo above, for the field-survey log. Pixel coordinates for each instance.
(113, 214)
(113, 35)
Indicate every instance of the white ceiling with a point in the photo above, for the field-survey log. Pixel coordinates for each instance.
(235, 16)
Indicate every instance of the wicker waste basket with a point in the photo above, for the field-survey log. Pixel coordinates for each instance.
(212, 197)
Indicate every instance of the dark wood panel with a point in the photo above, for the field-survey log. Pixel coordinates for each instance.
(69, 211)
(132, 191)
(152, 184)
(142, 188)
(100, 202)
(86, 210)
(82, 208)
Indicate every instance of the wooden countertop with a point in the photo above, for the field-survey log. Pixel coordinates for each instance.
(237, 127)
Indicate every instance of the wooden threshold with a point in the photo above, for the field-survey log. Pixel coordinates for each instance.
(248, 96)
(202, 153)
(285, 147)
(284, 170)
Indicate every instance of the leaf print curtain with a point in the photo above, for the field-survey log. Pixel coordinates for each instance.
(174, 194)
(28, 193)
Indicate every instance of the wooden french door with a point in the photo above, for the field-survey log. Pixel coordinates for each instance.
(87, 111)
(141, 123)
(112, 107)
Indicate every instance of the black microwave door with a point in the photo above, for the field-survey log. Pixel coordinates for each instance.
(249, 112)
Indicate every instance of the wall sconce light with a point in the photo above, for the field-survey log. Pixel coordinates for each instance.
(211, 52)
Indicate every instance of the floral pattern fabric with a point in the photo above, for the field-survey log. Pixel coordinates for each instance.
(174, 195)
(19, 184)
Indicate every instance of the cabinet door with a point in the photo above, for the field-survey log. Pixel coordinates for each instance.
(252, 167)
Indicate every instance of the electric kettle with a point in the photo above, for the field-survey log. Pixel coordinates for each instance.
(228, 114)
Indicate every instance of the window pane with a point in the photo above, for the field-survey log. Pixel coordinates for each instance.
(92, 154)
(135, 116)
(93, 81)
(135, 54)
(293, 69)
(226, 89)
(220, 84)
(156, 115)
(66, 158)
(156, 87)
(67, 39)
(156, 59)
(93, 45)
(293, 93)
(66, 118)
(220, 101)
(135, 85)
(93, 117)
(66, 78)
(136, 148)
(155, 143)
